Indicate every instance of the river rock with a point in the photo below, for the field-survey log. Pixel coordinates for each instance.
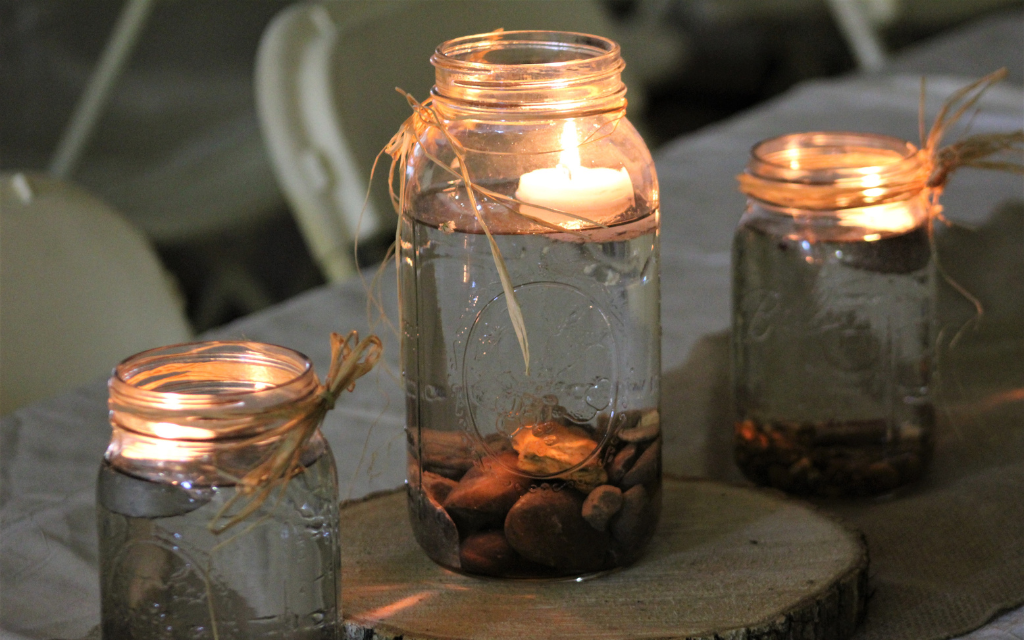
(602, 503)
(489, 553)
(622, 462)
(623, 420)
(546, 526)
(647, 428)
(633, 521)
(447, 453)
(549, 448)
(437, 486)
(498, 442)
(646, 467)
(486, 493)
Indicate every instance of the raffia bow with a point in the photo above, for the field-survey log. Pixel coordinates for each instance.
(351, 359)
(972, 151)
(938, 164)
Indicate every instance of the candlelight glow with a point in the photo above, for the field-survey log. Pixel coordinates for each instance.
(144, 448)
(570, 156)
(171, 431)
(170, 401)
(890, 217)
(872, 179)
(597, 194)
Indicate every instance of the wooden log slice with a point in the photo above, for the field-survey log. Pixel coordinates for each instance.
(727, 562)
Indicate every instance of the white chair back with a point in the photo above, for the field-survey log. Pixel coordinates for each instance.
(80, 290)
(325, 95)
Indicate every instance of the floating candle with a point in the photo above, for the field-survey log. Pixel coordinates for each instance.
(598, 194)
(888, 218)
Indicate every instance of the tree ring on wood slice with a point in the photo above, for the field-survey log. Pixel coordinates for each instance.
(725, 562)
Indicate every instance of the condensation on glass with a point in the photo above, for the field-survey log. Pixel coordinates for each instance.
(168, 472)
(557, 472)
(833, 315)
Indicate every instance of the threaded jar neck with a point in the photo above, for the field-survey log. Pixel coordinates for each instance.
(540, 72)
(834, 170)
(208, 391)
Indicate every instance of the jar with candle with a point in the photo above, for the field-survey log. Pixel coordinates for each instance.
(833, 327)
(552, 468)
(184, 552)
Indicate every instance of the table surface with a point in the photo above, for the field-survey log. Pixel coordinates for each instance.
(49, 451)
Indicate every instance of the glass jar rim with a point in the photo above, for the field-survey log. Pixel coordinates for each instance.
(775, 157)
(530, 70)
(830, 170)
(209, 387)
(465, 52)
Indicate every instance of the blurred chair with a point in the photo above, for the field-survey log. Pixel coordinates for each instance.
(860, 28)
(80, 290)
(165, 131)
(325, 95)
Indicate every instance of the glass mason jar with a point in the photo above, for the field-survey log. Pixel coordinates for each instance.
(554, 471)
(833, 315)
(189, 421)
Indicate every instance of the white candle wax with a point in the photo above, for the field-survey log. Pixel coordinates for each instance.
(598, 194)
(888, 218)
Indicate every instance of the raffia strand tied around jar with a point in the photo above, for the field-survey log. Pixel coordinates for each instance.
(351, 359)
(424, 118)
(930, 175)
(939, 162)
(295, 423)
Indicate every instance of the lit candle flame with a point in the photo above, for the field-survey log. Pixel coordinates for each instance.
(570, 155)
(597, 194)
(871, 180)
(889, 217)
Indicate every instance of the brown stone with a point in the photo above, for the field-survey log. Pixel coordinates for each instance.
(648, 427)
(485, 494)
(489, 553)
(602, 503)
(546, 526)
(623, 420)
(437, 486)
(447, 453)
(621, 463)
(633, 523)
(498, 442)
(647, 467)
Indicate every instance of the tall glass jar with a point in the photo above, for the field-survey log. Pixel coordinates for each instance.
(189, 421)
(833, 315)
(554, 471)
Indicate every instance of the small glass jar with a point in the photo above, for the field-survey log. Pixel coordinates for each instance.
(556, 471)
(833, 315)
(189, 421)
